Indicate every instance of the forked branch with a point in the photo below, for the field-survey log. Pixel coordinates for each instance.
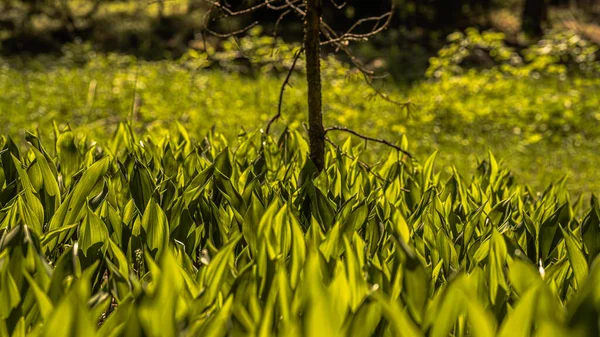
(234, 33)
(349, 35)
(282, 91)
(367, 138)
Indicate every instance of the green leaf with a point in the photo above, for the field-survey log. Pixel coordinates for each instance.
(497, 258)
(141, 186)
(217, 326)
(428, 171)
(156, 227)
(576, 257)
(400, 226)
(49, 178)
(33, 203)
(217, 269)
(68, 212)
(298, 252)
(43, 302)
(10, 296)
(92, 233)
(68, 154)
(401, 324)
(520, 321)
(493, 168)
(523, 276)
(320, 318)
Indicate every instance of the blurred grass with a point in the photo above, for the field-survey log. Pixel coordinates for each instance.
(541, 128)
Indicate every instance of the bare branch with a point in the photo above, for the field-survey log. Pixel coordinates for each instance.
(285, 83)
(367, 138)
(349, 35)
(234, 33)
(284, 6)
(281, 17)
(385, 97)
(291, 4)
(230, 13)
(332, 35)
(340, 6)
(157, 1)
(227, 13)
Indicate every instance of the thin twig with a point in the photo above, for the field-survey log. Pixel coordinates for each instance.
(234, 33)
(340, 6)
(93, 10)
(284, 6)
(385, 97)
(367, 138)
(350, 36)
(276, 28)
(230, 13)
(285, 83)
(157, 1)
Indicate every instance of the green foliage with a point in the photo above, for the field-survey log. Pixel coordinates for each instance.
(167, 236)
(546, 121)
(557, 53)
(450, 59)
(563, 51)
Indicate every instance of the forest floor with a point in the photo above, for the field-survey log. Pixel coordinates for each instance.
(541, 128)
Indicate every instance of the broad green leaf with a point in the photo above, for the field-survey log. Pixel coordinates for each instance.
(520, 321)
(141, 186)
(217, 326)
(68, 212)
(320, 319)
(33, 203)
(50, 182)
(10, 296)
(217, 268)
(497, 259)
(400, 322)
(576, 257)
(43, 302)
(92, 232)
(428, 171)
(156, 227)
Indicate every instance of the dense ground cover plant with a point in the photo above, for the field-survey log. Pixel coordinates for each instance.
(533, 122)
(164, 236)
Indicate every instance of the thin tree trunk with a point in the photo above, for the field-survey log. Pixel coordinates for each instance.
(535, 14)
(316, 132)
(161, 10)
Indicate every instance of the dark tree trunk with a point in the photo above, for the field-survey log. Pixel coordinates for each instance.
(534, 16)
(161, 10)
(316, 133)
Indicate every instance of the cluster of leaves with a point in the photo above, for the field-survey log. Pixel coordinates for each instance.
(559, 52)
(529, 122)
(562, 51)
(169, 236)
(490, 45)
